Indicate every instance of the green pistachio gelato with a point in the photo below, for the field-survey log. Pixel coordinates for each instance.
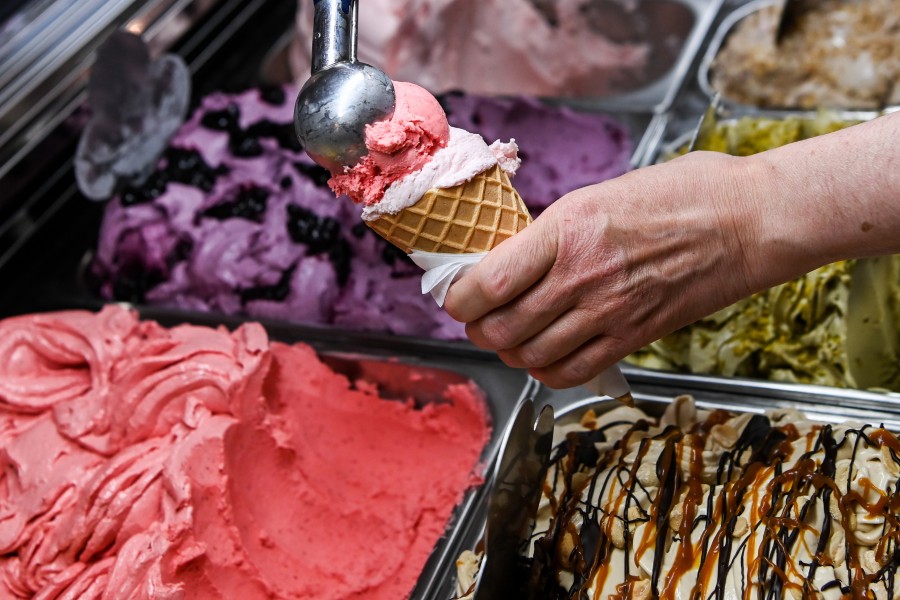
(751, 135)
(873, 322)
(793, 332)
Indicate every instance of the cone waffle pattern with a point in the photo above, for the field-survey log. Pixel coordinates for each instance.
(472, 217)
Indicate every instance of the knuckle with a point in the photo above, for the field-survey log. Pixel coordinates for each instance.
(495, 288)
(475, 335)
(533, 356)
(576, 371)
(548, 377)
(497, 333)
(510, 358)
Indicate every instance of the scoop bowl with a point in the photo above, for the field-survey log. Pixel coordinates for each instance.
(333, 108)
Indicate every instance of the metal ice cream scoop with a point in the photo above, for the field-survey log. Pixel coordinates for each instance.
(343, 95)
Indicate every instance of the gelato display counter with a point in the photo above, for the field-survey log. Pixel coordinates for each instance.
(216, 356)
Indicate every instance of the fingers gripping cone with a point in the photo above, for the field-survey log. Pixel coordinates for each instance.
(471, 217)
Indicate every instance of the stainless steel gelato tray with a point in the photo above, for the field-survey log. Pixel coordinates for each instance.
(760, 328)
(716, 42)
(800, 85)
(654, 392)
(402, 369)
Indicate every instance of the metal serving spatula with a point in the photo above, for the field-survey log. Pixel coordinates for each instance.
(873, 323)
(512, 503)
(706, 126)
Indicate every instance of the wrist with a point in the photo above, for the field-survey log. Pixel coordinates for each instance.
(829, 198)
(740, 204)
(783, 227)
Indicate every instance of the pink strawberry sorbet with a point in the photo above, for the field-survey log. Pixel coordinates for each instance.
(193, 463)
(397, 146)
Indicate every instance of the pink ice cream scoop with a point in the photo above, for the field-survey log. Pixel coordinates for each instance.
(396, 146)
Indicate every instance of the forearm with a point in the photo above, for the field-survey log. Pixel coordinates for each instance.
(825, 199)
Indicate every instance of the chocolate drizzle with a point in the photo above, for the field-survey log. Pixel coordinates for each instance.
(780, 513)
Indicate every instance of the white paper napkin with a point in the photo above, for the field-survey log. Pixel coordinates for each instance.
(610, 383)
(442, 269)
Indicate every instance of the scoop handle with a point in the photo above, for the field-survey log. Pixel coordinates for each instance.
(334, 33)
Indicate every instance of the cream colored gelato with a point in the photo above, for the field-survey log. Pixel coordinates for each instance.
(705, 504)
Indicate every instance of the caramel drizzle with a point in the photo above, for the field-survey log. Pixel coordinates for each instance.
(779, 512)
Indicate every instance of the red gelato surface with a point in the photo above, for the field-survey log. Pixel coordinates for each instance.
(143, 462)
(397, 146)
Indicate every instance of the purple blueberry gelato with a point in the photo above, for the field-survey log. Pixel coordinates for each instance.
(236, 219)
(561, 150)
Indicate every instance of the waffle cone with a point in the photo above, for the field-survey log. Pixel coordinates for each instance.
(474, 216)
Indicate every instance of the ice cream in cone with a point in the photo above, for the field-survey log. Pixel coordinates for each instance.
(425, 186)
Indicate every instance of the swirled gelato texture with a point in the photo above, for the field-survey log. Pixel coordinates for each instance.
(704, 504)
(149, 463)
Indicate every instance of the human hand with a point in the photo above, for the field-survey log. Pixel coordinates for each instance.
(612, 267)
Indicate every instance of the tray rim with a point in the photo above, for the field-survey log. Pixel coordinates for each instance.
(705, 13)
(663, 140)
